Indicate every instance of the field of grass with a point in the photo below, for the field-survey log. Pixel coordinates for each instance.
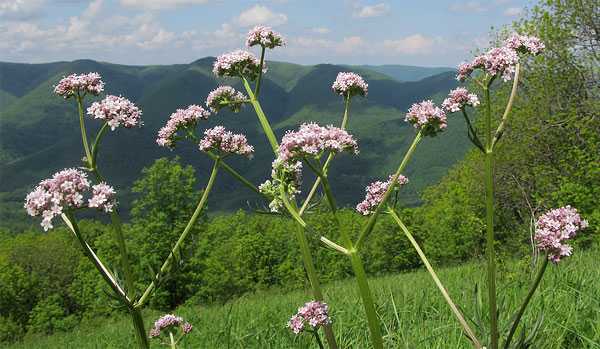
(412, 311)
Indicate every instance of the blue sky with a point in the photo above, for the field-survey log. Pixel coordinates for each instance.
(425, 33)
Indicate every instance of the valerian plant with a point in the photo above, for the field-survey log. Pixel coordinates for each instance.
(311, 146)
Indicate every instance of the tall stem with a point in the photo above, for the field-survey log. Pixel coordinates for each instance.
(260, 72)
(373, 219)
(138, 324)
(489, 208)
(437, 281)
(359, 271)
(167, 263)
(262, 118)
(525, 303)
(173, 343)
(84, 139)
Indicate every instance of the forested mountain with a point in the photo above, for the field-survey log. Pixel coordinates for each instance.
(39, 130)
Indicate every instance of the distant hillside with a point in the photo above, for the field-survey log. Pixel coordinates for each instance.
(406, 72)
(39, 131)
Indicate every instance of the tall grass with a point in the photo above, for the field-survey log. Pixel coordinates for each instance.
(412, 311)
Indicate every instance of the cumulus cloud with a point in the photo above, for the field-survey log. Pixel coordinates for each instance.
(160, 4)
(415, 44)
(513, 11)
(372, 10)
(259, 14)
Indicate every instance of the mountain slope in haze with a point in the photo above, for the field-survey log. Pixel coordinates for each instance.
(39, 132)
(405, 72)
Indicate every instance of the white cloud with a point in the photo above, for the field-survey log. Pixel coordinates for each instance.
(416, 44)
(17, 9)
(513, 11)
(160, 4)
(258, 14)
(350, 44)
(320, 30)
(469, 6)
(372, 10)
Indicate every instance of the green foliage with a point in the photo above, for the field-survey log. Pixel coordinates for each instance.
(411, 308)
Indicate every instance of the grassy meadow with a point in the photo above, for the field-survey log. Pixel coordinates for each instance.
(413, 312)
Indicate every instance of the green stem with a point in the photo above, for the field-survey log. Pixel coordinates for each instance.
(167, 263)
(469, 332)
(136, 316)
(262, 118)
(508, 108)
(138, 323)
(489, 208)
(359, 270)
(260, 72)
(235, 174)
(173, 344)
(84, 139)
(367, 298)
(346, 109)
(373, 219)
(96, 144)
(318, 339)
(521, 311)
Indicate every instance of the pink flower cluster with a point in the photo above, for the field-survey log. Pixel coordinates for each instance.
(169, 322)
(554, 228)
(502, 60)
(426, 117)
(350, 84)
(79, 84)
(225, 96)
(103, 197)
(264, 36)
(219, 139)
(237, 64)
(525, 44)
(375, 192)
(458, 99)
(314, 313)
(116, 111)
(63, 191)
(180, 119)
(312, 139)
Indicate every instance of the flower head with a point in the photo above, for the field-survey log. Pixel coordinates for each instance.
(350, 84)
(284, 174)
(64, 190)
(116, 111)
(79, 84)
(501, 61)
(314, 313)
(237, 64)
(458, 99)
(103, 197)
(180, 119)
(525, 44)
(426, 117)
(219, 139)
(312, 140)
(225, 96)
(464, 71)
(264, 36)
(554, 228)
(170, 323)
(375, 193)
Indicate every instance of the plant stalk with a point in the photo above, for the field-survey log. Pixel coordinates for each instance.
(525, 303)
(359, 270)
(469, 332)
(260, 72)
(262, 118)
(167, 263)
(489, 208)
(84, 139)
